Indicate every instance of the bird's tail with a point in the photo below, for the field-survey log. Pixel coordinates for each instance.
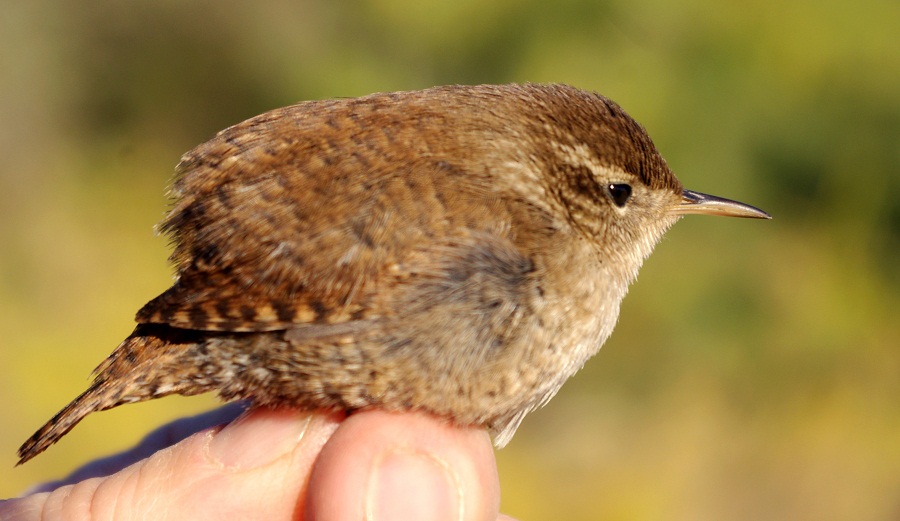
(155, 361)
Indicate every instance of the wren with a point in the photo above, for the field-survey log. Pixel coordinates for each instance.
(460, 250)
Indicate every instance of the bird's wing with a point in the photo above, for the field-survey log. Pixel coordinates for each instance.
(283, 221)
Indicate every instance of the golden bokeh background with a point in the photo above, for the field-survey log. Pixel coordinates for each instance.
(755, 372)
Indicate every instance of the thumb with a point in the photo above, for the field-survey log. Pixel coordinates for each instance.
(255, 468)
(411, 466)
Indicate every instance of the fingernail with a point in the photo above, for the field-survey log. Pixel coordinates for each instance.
(258, 438)
(412, 485)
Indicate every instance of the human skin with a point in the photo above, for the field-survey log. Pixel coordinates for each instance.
(284, 464)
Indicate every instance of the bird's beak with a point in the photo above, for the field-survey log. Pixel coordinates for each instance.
(695, 202)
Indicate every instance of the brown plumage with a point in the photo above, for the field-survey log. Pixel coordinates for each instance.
(459, 250)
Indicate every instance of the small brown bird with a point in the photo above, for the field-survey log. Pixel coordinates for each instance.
(458, 250)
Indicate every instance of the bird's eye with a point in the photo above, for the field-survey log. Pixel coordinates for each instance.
(620, 192)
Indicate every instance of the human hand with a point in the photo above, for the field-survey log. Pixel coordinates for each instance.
(284, 464)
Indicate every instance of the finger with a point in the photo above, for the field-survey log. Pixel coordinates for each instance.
(160, 438)
(412, 466)
(255, 468)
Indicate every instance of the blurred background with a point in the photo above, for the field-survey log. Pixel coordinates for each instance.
(755, 371)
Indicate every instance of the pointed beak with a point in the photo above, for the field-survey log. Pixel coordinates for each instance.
(695, 202)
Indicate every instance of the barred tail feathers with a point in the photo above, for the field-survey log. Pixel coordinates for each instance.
(149, 364)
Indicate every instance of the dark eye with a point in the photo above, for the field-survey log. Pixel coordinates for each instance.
(620, 192)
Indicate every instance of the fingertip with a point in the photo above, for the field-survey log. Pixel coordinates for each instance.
(381, 466)
(258, 438)
(438, 493)
(255, 468)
